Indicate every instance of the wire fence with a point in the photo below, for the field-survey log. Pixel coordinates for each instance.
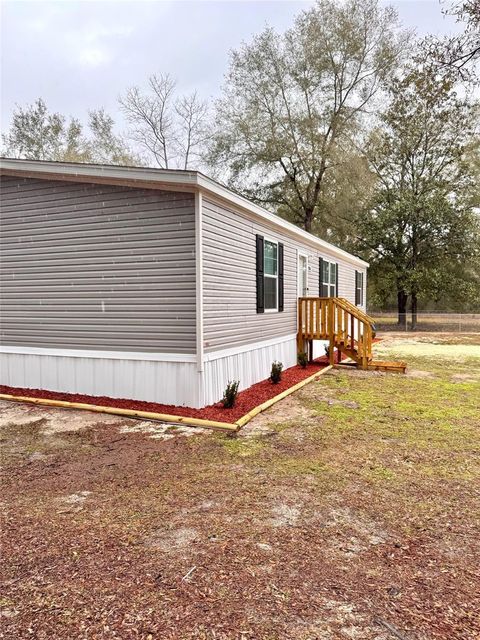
(428, 321)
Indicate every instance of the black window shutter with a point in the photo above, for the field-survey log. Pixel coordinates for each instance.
(336, 281)
(280, 277)
(357, 292)
(260, 288)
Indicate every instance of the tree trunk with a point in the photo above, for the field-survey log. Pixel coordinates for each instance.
(402, 298)
(308, 219)
(414, 311)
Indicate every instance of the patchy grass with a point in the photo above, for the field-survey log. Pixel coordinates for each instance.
(348, 510)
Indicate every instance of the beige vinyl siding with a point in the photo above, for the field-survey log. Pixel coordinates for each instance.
(97, 267)
(229, 282)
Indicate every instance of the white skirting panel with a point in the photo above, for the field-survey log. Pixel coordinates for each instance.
(251, 364)
(319, 348)
(167, 382)
(155, 378)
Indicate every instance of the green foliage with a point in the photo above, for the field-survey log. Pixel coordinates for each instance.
(302, 359)
(276, 372)
(230, 394)
(421, 233)
(105, 146)
(459, 53)
(293, 103)
(37, 134)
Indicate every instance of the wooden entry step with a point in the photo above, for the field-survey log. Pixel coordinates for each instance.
(378, 365)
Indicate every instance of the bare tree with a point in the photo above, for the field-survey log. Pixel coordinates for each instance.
(171, 130)
(192, 116)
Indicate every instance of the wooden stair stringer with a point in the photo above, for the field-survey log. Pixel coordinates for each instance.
(348, 329)
(372, 365)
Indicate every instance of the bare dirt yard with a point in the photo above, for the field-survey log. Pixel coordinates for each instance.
(351, 510)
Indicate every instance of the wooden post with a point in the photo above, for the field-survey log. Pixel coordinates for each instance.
(369, 343)
(359, 342)
(365, 347)
(311, 318)
(331, 331)
(300, 328)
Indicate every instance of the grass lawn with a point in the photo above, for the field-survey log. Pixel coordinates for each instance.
(350, 510)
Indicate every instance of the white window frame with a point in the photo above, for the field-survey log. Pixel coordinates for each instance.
(301, 254)
(360, 288)
(265, 275)
(329, 284)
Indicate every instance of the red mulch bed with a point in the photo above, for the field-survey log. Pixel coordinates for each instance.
(246, 400)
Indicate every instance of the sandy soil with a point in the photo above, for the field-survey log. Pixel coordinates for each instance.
(348, 511)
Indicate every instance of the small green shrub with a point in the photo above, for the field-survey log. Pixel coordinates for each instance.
(302, 359)
(276, 372)
(230, 394)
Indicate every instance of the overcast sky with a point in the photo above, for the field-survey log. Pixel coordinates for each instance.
(79, 55)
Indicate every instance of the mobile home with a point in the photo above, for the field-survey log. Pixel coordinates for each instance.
(151, 284)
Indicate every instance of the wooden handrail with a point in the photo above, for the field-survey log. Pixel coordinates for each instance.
(355, 310)
(345, 326)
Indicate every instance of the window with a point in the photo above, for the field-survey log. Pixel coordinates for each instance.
(328, 278)
(302, 279)
(359, 288)
(270, 274)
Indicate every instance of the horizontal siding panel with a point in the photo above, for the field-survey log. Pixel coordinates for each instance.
(123, 214)
(139, 262)
(118, 235)
(65, 196)
(76, 325)
(75, 329)
(97, 267)
(120, 299)
(110, 228)
(109, 344)
(229, 297)
(138, 281)
(81, 306)
(81, 317)
(19, 209)
(145, 275)
(90, 258)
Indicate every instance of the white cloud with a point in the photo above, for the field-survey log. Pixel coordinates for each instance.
(95, 46)
(94, 56)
